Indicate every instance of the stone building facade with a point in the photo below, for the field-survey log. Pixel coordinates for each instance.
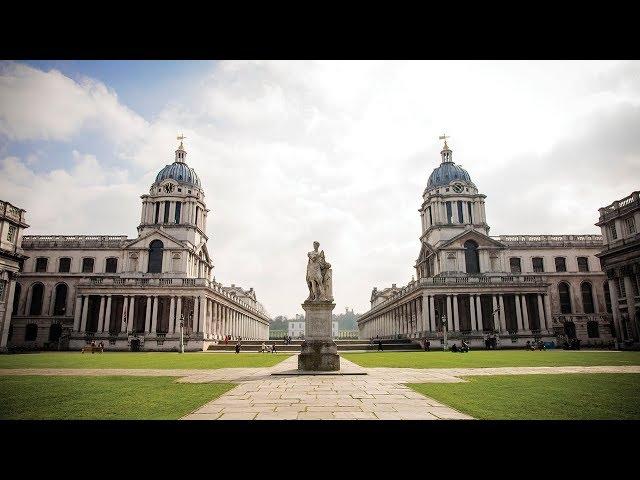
(511, 288)
(12, 224)
(620, 258)
(132, 293)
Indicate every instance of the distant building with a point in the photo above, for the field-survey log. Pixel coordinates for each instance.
(12, 258)
(620, 259)
(296, 327)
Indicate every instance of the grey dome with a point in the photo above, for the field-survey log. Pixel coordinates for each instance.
(180, 172)
(446, 173)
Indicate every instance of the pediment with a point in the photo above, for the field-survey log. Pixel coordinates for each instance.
(144, 240)
(425, 251)
(481, 239)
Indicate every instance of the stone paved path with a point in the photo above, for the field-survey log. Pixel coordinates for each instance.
(381, 394)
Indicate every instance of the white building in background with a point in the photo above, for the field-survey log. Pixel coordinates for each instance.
(296, 328)
(515, 288)
(132, 293)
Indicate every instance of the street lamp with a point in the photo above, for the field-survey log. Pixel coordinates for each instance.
(443, 321)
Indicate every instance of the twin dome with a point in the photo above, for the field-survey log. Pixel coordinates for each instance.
(179, 172)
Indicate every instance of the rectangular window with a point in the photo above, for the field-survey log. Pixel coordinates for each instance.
(178, 208)
(630, 224)
(87, 265)
(65, 265)
(470, 212)
(157, 213)
(112, 265)
(621, 292)
(449, 213)
(166, 212)
(538, 264)
(11, 233)
(612, 231)
(561, 264)
(592, 329)
(460, 215)
(41, 264)
(514, 263)
(583, 264)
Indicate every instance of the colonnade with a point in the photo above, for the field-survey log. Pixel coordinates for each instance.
(416, 317)
(214, 320)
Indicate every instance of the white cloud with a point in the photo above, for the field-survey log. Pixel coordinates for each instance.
(340, 152)
(37, 105)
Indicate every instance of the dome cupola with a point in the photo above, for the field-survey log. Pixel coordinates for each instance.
(447, 171)
(179, 170)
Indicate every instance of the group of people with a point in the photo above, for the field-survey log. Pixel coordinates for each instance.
(463, 348)
(287, 339)
(267, 348)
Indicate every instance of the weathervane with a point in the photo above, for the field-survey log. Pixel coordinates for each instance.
(181, 137)
(444, 137)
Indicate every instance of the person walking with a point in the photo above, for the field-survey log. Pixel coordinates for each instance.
(238, 346)
(273, 348)
(380, 345)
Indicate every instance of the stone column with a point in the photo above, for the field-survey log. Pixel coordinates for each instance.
(131, 314)
(203, 312)
(615, 309)
(456, 319)
(543, 327)
(432, 313)
(479, 314)
(101, 315)
(425, 312)
(172, 315)
(7, 314)
(107, 315)
(85, 306)
(547, 311)
(154, 316)
(519, 313)
(472, 311)
(496, 314)
(147, 318)
(214, 314)
(449, 313)
(631, 306)
(77, 314)
(525, 313)
(172, 212)
(196, 314)
(125, 312)
(502, 314)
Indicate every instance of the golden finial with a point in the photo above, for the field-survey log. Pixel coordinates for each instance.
(444, 137)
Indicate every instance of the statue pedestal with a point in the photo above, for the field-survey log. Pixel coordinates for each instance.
(319, 351)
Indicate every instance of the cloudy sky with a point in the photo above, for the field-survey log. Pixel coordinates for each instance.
(339, 152)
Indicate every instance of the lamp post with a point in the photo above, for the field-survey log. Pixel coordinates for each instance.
(443, 321)
(181, 333)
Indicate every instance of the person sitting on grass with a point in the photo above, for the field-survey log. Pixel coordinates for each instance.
(454, 348)
(465, 347)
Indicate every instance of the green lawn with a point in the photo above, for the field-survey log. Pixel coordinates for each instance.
(161, 360)
(493, 358)
(97, 398)
(596, 396)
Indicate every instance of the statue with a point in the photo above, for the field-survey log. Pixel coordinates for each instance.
(319, 276)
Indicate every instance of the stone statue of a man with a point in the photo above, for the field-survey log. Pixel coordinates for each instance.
(319, 276)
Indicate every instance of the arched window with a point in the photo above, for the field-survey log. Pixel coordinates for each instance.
(31, 332)
(60, 303)
(607, 297)
(155, 257)
(112, 265)
(37, 292)
(471, 258)
(16, 299)
(587, 297)
(565, 298)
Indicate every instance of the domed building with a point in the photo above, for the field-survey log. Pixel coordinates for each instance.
(134, 294)
(491, 291)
